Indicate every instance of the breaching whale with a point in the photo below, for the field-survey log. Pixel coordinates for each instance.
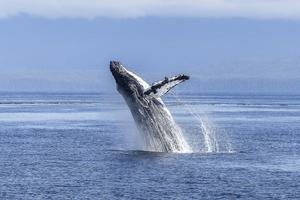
(153, 119)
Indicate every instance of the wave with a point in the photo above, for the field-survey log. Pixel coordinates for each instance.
(45, 102)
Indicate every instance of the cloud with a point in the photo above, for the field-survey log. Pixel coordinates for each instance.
(285, 9)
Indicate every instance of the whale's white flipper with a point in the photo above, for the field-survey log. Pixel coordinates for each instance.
(160, 88)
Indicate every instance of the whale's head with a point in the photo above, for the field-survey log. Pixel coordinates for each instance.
(128, 83)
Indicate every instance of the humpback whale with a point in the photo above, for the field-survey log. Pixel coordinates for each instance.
(153, 119)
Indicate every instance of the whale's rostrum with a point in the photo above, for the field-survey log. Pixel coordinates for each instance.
(153, 119)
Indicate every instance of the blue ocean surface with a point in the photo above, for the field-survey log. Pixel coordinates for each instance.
(86, 146)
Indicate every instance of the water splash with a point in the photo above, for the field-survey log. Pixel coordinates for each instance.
(160, 133)
(209, 135)
(211, 141)
(169, 138)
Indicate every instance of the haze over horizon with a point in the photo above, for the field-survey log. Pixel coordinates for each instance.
(232, 48)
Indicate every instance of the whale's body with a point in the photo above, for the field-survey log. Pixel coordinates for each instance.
(151, 116)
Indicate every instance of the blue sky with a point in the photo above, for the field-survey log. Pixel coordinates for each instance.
(63, 48)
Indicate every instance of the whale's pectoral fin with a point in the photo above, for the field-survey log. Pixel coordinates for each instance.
(160, 88)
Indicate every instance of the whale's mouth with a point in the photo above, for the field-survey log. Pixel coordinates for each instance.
(115, 67)
(118, 71)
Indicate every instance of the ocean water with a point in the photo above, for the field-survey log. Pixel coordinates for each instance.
(85, 146)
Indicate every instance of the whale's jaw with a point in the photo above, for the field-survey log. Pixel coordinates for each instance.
(119, 72)
(127, 82)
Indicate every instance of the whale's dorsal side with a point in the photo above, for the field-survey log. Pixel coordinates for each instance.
(160, 88)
